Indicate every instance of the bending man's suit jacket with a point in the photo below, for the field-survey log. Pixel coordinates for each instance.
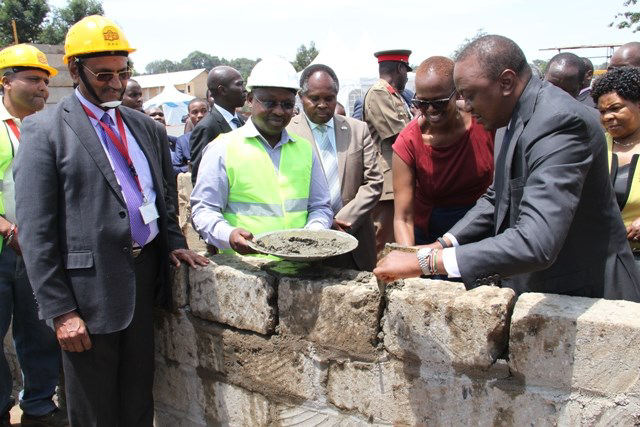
(549, 222)
(212, 125)
(360, 178)
(74, 226)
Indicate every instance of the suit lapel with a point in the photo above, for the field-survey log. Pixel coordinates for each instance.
(520, 117)
(343, 137)
(78, 121)
(221, 120)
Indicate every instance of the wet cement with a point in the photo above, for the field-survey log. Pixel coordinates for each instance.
(303, 243)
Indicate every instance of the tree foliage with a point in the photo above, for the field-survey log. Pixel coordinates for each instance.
(628, 19)
(304, 56)
(197, 59)
(60, 20)
(541, 65)
(28, 14)
(479, 33)
(37, 22)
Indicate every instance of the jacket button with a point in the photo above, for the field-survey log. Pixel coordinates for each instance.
(122, 214)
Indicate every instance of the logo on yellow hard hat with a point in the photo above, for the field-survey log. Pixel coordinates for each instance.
(110, 34)
(41, 58)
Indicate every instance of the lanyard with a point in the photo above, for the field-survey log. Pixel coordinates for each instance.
(120, 143)
(14, 128)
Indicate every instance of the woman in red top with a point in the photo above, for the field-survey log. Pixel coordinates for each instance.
(442, 161)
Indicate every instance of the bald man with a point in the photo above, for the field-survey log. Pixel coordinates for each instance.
(227, 89)
(627, 54)
(566, 71)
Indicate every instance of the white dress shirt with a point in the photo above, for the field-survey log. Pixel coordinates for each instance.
(135, 152)
(227, 116)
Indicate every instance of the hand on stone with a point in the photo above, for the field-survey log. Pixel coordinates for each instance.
(397, 265)
(238, 241)
(71, 332)
(188, 256)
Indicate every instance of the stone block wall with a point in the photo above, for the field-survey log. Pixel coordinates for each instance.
(249, 342)
(61, 85)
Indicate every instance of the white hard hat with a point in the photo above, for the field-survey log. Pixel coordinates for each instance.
(273, 71)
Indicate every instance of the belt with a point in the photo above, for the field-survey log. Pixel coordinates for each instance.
(136, 251)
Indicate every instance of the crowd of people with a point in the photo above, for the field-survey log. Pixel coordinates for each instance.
(497, 176)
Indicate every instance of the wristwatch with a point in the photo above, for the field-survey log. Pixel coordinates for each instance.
(424, 258)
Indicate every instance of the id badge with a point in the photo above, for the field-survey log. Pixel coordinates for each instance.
(149, 212)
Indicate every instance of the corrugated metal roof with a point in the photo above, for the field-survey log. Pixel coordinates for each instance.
(161, 80)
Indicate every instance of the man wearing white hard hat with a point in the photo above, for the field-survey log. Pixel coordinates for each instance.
(259, 177)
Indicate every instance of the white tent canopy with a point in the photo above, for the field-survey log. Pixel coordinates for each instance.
(173, 102)
(355, 66)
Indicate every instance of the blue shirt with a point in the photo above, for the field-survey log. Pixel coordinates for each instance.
(135, 152)
(181, 156)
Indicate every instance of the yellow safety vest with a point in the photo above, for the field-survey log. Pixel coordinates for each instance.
(631, 210)
(262, 199)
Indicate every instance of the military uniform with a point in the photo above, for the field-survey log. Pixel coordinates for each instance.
(386, 114)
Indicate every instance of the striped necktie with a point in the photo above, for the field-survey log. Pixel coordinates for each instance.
(133, 197)
(330, 165)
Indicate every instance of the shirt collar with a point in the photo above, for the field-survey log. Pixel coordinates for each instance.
(586, 89)
(227, 115)
(249, 130)
(97, 111)
(314, 126)
(5, 114)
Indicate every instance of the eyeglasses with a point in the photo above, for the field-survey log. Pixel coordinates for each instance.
(437, 104)
(107, 76)
(270, 105)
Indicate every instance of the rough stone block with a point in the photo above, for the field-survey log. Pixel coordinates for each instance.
(230, 405)
(179, 390)
(339, 311)
(179, 279)
(233, 291)
(319, 415)
(175, 338)
(576, 343)
(441, 324)
(274, 367)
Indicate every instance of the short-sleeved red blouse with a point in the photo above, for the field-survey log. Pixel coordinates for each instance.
(452, 176)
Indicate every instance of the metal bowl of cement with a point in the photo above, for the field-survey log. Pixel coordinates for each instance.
(304, 245)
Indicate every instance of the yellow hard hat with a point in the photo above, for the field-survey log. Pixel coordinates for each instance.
(94, 34)
(25, 55)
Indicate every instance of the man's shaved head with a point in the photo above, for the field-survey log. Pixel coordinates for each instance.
(227, 87)
(566, 71)
(495, 54)
(627, 54)
(439, 65)
(221, 75)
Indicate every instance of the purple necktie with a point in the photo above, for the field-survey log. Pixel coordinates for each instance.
(132, 195)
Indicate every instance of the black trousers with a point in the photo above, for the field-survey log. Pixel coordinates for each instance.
(111, 384)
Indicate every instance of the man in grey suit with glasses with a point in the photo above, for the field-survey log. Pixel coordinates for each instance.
(549, 223)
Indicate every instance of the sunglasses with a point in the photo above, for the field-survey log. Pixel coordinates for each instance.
(437, 104)
(270, 105)
(108, 76)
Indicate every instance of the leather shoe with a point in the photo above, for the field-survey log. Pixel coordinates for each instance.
(55, 418)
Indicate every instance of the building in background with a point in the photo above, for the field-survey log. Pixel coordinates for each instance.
(190, 82)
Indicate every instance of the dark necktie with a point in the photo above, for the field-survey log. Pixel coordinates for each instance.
(236, 121)
(133, 197)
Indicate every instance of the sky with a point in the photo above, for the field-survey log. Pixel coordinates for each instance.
(171, 29)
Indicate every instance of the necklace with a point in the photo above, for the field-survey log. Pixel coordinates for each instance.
(622, 144)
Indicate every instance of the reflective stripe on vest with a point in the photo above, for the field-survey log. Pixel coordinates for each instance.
(261, 199)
